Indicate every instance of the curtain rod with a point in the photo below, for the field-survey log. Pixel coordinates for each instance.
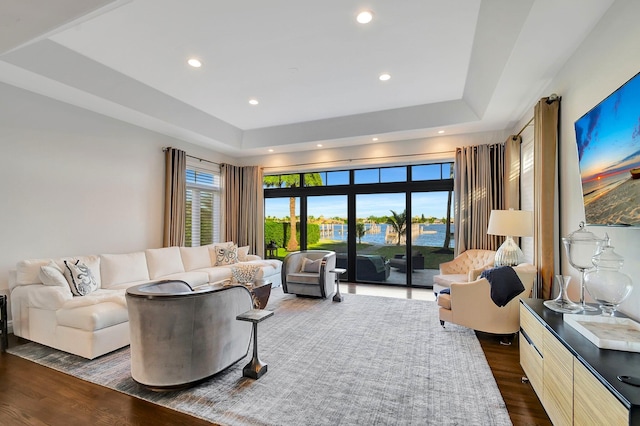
(550, 99)
(166, 148)
(523, 127)
(355, 159)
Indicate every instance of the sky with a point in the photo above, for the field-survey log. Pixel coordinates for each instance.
(608, 136)
(431, 204)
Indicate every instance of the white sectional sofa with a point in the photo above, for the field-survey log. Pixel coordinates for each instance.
(97, 323)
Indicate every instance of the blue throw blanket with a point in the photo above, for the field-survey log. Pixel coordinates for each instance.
(505, 284)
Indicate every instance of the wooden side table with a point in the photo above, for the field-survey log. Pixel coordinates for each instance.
(338, 271)
(255, 368)
(4, 339)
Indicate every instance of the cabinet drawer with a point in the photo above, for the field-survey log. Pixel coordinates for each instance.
(558, 380)
(531, 326)
(593, 404)
(531, 362)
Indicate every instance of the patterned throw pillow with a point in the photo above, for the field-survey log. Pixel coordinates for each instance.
(80, 279)
(245, 273)
(226, 256)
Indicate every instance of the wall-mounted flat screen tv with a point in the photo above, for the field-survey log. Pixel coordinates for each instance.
(608, 138)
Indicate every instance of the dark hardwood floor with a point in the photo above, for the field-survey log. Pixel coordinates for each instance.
(31, 394)
(522, 403)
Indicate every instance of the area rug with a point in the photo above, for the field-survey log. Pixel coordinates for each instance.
(366, 361)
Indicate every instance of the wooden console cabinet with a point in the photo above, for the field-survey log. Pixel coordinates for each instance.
(574, 379)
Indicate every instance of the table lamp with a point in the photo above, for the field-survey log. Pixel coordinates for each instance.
(510, 223)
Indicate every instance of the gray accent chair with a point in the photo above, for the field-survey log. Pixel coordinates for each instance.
(180, 337)
(318, 284)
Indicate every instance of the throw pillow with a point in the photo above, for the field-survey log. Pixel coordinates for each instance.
(245, 273)
(52, 275)
(243, 252)
(311, 266)
(80, 279)
(226, 256)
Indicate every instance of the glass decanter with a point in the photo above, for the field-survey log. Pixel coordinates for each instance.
(606, 284)
(562, 303)
(581, 246)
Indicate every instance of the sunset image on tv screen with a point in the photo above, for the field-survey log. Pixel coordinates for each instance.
(608, 139)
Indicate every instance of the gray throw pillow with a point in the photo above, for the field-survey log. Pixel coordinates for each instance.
(311, 266)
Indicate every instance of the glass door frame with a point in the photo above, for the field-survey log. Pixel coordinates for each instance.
(407, 187)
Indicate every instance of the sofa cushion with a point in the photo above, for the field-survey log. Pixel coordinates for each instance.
(195, 257)
(445, 280)
(52, 275)
(123, 268)
(93, 317)
(80, 278)
(221, 255)
(217, 273)
(164, 261)
(303, 278)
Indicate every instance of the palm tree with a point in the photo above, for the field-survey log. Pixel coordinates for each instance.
(447, 232)
(399, 223)
(360, 231)
(292, 181)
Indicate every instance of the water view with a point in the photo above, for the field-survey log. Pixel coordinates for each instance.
(431, 235)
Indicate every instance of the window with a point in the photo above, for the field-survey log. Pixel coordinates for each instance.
(368, 217)
(202, 225)
(327, 178)
(432, 171)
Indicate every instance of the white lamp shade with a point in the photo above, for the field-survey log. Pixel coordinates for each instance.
(513, 223)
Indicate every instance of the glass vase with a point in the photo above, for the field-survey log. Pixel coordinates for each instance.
(606, 284)
(562, 303)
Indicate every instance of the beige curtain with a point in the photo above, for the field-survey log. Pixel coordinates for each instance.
(486, 176)
(512, 172)
(545, 141)
(175, 195)
(243, 206)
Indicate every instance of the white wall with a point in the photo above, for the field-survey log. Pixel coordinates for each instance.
(414, 151)
(607, 58)
(73, 182)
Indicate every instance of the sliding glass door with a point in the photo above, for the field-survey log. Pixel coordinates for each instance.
(388, 225)
(381, 225)
(279, 227)
(431, 234)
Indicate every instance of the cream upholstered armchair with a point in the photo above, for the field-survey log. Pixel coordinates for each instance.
(470, 304)
(467, 266)
(307, 273)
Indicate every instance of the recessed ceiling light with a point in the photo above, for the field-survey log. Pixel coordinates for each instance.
(384, 77)
(253, 101)
(319, 145)
(374, 139)
(440, 132)
(364, 17)
(270, 150)
(194, 62)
